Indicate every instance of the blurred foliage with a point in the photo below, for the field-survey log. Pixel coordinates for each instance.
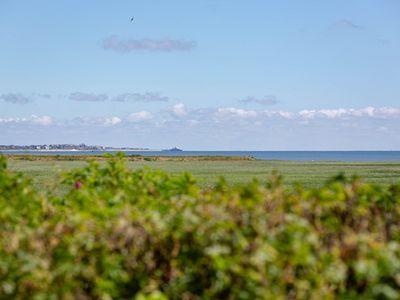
(123, 234)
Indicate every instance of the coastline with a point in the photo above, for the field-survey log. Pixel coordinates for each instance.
(76, 150)
(344, 156)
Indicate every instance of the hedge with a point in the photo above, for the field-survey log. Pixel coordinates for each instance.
(143, 234)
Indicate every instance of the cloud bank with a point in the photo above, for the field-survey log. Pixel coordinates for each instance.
(229, 112)
(33, 119)
(139, 116)
(230, 128)
(90, 122)
(223, 114)
(117, 44)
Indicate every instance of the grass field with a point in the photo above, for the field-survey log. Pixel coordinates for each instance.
(48, 174)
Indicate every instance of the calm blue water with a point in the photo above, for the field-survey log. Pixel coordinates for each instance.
(355, 156)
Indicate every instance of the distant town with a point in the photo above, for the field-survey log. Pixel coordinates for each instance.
(75, 147)
(66, 147)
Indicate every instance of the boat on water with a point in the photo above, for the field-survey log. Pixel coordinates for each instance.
(175, 149)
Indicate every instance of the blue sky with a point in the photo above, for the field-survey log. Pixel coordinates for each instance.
(202, 74)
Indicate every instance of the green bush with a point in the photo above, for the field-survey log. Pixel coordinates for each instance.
(122, 234)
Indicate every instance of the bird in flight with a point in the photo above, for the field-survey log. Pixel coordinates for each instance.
(132, 19)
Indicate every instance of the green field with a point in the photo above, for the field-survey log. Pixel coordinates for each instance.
(48, 174)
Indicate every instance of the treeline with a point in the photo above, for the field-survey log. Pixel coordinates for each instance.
(124, 234)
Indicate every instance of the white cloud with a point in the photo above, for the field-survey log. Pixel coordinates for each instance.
(235, 112)
(341, 113)
(307, 114)
(140, 116)
(94, 121)
(333, 113)
(336, 113)
(285, 114)
(41, 120)
(33, 119)
(112, 121)
(389, 111)
(278, 113)
(228, 113)
(179, 110)
(369, 111)
(12, 120)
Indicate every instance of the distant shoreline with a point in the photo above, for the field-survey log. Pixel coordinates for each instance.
(345, 156)
(102, 157)
(76, 150)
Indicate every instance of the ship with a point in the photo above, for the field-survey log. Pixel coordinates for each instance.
(175, 149)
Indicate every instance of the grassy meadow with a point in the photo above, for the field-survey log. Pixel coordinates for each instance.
(46, 172)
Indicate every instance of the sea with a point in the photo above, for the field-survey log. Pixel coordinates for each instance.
(344, 156)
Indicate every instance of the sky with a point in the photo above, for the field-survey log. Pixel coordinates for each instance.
(201, 74)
